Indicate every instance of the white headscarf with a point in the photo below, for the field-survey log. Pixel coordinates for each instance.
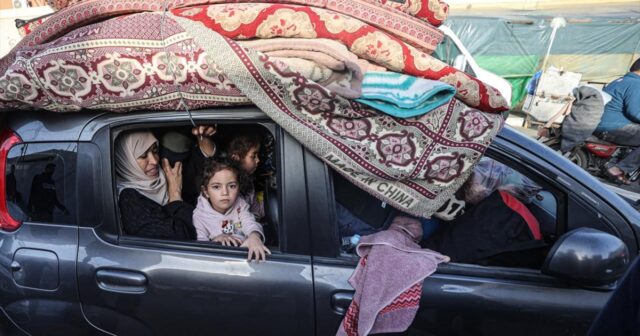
(129, 147)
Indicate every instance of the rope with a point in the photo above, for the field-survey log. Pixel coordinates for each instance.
(181, 102)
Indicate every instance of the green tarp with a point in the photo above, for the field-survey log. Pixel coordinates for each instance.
(601, 48)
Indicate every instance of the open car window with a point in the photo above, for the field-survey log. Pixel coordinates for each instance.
(259, 190)
(500, 217)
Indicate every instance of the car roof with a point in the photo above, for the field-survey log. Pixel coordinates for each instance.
(39, 126)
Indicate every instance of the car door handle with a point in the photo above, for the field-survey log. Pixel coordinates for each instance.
(340, 302)
(15, 266)
(122, 281)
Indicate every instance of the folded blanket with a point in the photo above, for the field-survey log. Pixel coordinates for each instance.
(247, 21)
(432, 11)
(251, 20)
(388, 280)
(328, 63)
(414, 165)
(74, 13)
(334, 52)
(403, 96)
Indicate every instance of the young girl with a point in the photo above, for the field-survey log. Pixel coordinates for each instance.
(243, 150)
(221, 216)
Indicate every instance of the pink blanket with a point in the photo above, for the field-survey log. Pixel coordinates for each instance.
(388, 280)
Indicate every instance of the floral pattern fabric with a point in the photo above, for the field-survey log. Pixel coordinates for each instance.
(271, 20)
(76, 13)
(362, 39)
(120, 64)
(127, 63)
(413, 164)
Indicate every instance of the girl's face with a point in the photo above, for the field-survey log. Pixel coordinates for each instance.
(148, 161)
(250, 161)
(222, 190)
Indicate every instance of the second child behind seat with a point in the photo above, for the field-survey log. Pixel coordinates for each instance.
(243, 150)
(221, 216)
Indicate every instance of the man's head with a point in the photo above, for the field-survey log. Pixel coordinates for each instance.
(49, 169)
(635, 67)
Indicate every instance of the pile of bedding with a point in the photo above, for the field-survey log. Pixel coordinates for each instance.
(303, 62)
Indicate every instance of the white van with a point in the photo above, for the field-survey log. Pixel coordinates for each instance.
(453, 52)
(10, 36)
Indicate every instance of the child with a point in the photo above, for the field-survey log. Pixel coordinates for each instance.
(243, 150)
(221, 216)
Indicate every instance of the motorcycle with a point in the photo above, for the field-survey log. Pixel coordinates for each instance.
(594, 155)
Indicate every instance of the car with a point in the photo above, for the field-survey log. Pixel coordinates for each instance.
(75, 271)
(452, 51)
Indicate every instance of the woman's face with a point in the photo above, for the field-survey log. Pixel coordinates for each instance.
(222, 190)
(149, 161)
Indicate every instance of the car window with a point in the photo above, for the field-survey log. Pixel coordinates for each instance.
(495, 199)
(257, 192)
(41, 182)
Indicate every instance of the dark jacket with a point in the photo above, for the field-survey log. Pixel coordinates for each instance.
(192, 168)
(621, 314)
(624, 107)
(144, 217)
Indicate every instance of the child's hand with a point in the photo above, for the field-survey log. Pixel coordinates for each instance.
(227, 240)
(257, 250)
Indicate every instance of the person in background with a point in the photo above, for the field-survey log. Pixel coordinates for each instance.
(43, 198)
(243, 150)
(620, 122)
(223, 217)
(12, 187)
(621, 314)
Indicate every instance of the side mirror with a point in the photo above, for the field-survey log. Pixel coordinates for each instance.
(588, 257)
(460, 62)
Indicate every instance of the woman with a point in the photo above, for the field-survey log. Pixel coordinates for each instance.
(149, 196)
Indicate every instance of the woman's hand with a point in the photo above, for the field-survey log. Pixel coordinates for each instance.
(257, 250)
(227, 240)
(174, 180)
(204, 133)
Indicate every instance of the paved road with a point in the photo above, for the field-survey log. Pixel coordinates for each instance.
(631, 191)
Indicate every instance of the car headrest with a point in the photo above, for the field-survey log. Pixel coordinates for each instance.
(271, 206)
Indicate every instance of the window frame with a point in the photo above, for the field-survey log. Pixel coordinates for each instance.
(494, 272)
(69, 185)
(121, 238)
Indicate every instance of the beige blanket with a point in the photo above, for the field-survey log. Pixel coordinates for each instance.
(327, 62)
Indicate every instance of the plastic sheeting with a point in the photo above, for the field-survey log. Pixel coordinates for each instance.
(601, 48)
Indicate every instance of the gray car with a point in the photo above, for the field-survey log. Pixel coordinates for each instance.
(68, 268)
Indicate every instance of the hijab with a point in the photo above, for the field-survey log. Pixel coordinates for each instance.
(129, 147)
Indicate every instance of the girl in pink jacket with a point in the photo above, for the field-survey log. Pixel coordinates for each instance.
(221, 216)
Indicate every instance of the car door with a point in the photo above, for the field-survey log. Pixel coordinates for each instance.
(462, 299)
(39, 236)
(138, 286)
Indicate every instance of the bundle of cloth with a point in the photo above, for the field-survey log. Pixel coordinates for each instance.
(388, 280)
(303, 62)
